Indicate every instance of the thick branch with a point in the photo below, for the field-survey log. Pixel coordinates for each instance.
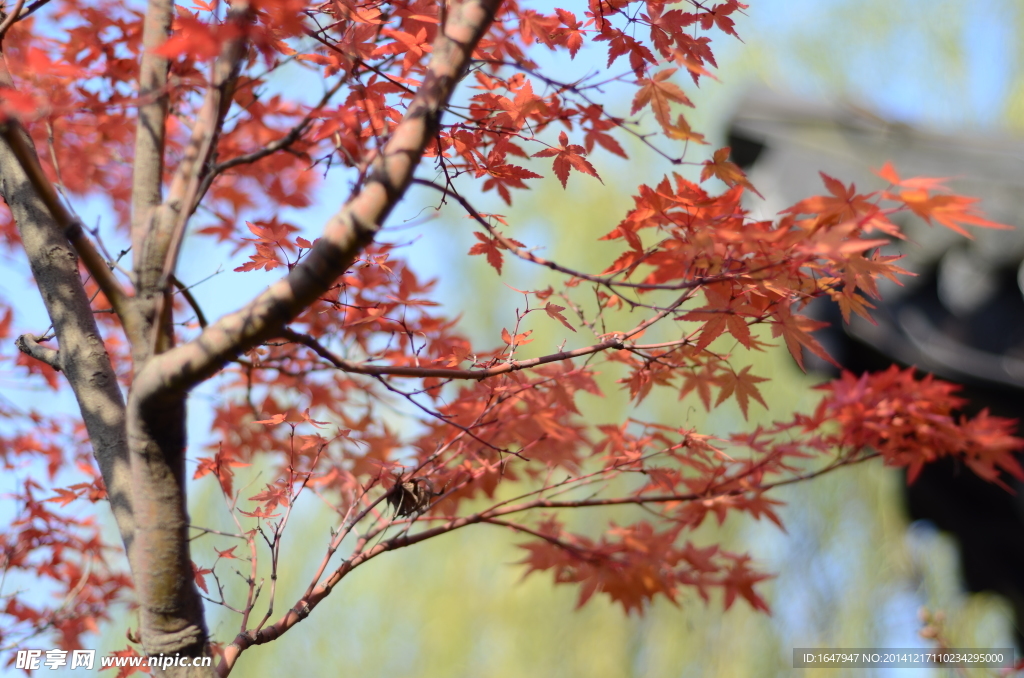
(184, 189)
(171, 609)
(19, 145)
(171, 616)
(82, 358)
(11, 17)
(160, 230)
(148, 167)
(345, 235)
(28, 345)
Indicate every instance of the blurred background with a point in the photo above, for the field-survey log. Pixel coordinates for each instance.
(850, 570)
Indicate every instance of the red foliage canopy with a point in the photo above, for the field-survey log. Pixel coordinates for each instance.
(161, 114)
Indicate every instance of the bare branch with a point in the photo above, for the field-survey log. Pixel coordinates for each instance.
(184, 188)
(26, 343)
(42, 225)
(311, 599)
(606, 280)
(148, 167)
(30, 10)
(615, 341)
(11, 18)
(190, 298)
(440, 372)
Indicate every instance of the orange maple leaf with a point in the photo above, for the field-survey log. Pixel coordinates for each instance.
(517, 340)
(489, 248)
(795, 329)
(571, 36)
(568, 156)
(555, 312)
(842, 205)
(199, 574)
(740, 581)
(682, 131)
(744, 385)
(728, 172)
(952, 211)
(658, 92)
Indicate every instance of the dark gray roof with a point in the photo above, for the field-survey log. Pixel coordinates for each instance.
(951, 319)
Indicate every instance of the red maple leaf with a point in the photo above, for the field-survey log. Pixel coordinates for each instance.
(659, 92)
(740, 581)
(568, 156)
(728, 172)
(555, 311)
(743, 384)
(571, 36)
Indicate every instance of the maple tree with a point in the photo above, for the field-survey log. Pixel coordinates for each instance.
(163, 111)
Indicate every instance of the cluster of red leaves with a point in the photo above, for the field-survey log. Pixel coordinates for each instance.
(758, 272)
(633, 564)
(65, 553)
(910, 422)
(60, 575)
(906, 420)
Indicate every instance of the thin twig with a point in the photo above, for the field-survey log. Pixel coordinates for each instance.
(607, 280)
(185, 292)
(293, 135)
